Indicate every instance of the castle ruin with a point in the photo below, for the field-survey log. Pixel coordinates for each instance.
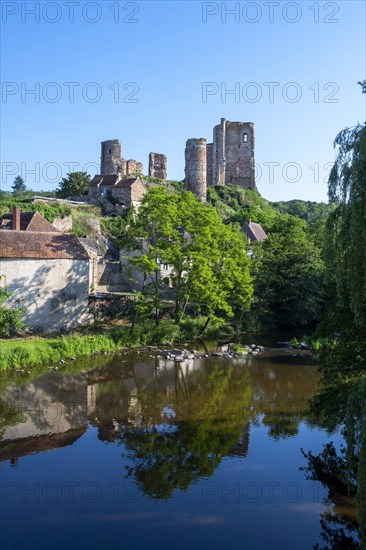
(228, 159)
(111, 161)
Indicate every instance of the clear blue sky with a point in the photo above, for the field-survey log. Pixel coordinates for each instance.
(310, 51)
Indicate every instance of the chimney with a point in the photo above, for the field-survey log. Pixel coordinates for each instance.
(16, 218)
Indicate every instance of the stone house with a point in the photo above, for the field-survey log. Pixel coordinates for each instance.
(132, 279)
(124, 190)
(254, 231)
(47, 271)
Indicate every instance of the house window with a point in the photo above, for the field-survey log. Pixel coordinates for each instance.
(109, 150)
(245, 138)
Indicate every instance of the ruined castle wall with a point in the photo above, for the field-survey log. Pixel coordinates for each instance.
(239, 149)
(233, 154)
(218, 153)
(158, 166)
(112, 162)
(209, 160)
(122, 167)
(131, 166)
(195, 167)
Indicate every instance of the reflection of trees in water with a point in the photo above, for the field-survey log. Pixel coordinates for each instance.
(184, 435)
(281, 393)
(337, 532)
(344, 474)
(282, 424)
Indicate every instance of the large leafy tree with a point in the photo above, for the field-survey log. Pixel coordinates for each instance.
(288, 276)
(347, 224)
(18, 186)
(76, 183)
(207, 260)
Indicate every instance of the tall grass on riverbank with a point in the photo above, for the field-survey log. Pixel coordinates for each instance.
(21, 352)
(34, 351)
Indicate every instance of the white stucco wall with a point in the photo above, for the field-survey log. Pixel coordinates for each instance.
(54, 292)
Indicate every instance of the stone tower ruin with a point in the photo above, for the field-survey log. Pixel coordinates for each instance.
(228, 159)
(233, 154)
(158, 166)
(110, 157)
(195, 170)
(111, 161)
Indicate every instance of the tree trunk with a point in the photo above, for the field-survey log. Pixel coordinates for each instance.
(205, 327)
(135, 315)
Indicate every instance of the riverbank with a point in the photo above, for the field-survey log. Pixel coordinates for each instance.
(33, 351)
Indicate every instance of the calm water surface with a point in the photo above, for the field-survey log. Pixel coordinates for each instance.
(133, 452)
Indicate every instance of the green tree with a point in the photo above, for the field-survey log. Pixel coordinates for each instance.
(18, 186)
(346, 229)
(208, 263)
(10, 317)
(341, 400)
(76, 183)
(288, 276)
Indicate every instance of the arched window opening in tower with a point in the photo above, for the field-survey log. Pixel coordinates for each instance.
(245, 138)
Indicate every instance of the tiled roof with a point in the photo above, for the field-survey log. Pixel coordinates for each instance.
(29, 221)
(38, 223)
(127, 182)
(90, 243)
(104, 179)
(29, 244)
(30, 445)
(254, 231)
(112, 180)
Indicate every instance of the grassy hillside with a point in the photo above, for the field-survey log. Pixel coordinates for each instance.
(235, 204)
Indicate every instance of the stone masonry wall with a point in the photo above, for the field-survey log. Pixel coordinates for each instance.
(209, 160)
(63, 224)
(239, 154)
(158, 166)
(110, 156)
(233, 154)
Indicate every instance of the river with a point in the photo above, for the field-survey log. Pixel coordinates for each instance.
(132, 451)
